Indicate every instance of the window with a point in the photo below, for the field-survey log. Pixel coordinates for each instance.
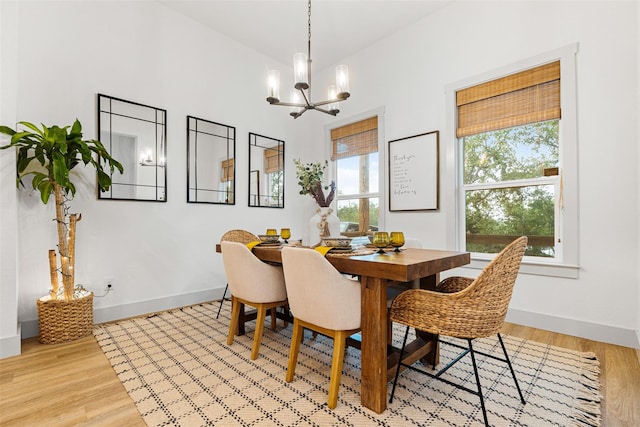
(509, 132)
(516, 161)
(354, 149)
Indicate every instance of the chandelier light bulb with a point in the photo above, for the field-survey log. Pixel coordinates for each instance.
(300, 71)
(273, 86)
(332, 94)
(295, 99)
(342, 81)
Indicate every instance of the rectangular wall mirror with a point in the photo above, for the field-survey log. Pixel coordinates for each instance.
(266, 171)
(211, 152)
(136, 136)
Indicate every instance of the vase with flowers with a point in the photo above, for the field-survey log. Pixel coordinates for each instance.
(310, 179)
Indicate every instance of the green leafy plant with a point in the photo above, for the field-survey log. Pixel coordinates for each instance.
(310, 176)
(49, 154)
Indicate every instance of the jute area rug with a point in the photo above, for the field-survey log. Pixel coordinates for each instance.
(179, 371)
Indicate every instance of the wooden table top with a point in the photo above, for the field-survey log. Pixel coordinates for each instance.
(404, 266)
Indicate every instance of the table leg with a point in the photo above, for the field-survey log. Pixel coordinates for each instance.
(242, 320)
(433, 357)
(374, 344)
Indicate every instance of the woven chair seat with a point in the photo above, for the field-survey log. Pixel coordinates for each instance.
(466, 308)
(463, 307)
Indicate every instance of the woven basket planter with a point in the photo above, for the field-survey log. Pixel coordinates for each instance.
(63, 321)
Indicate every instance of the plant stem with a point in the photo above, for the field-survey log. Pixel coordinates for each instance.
(63, 243)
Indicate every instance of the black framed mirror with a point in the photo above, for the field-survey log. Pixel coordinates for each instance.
(211, 152)
(136, 135)
(266, 171)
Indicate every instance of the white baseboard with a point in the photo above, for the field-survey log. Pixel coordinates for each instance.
(576, 328)
(108, 314)
(592, 331)
(10, 346)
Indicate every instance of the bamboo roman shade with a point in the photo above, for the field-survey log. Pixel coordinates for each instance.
(355, 139)
(273, 159)
(227, 170)
(526, 97)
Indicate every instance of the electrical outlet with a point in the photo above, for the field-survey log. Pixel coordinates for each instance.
(108, 285)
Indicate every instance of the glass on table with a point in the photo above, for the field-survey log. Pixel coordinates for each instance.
(285, 233)
(381, 240)
(272, 232)
(397, 240)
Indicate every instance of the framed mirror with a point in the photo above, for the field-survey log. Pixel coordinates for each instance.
(211, 152)
(136, 136)
(266, 171)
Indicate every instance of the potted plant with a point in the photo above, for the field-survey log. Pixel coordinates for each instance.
(49, 154)
(310, 178)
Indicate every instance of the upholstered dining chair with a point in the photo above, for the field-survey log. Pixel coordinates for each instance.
(252, 282)
(322, 300)
(463, 308)
(241, 236)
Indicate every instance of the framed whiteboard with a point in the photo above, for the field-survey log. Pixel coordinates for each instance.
(413, 172)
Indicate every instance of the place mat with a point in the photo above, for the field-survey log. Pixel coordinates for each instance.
(179, 371)
(354, 252)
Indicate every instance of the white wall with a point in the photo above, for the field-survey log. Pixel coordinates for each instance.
(637, 114)
(162, 254)
(9, 327)
(157, 255)
(407, 73)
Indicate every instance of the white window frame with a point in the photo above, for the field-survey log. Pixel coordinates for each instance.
(565, 263)
(381, 195)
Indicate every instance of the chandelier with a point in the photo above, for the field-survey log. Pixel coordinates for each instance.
(300, 100)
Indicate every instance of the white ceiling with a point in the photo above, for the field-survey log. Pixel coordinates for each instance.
(278, 28)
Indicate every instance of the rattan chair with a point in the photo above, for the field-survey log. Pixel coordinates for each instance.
(252, 282)
(322, 300)
(463, 308)
(241, 236)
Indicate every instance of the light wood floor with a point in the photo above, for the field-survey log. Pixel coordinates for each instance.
(73, 384)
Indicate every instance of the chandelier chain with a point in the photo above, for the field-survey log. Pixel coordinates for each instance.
(309, 33)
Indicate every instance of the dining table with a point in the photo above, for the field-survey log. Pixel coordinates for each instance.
(376, 271)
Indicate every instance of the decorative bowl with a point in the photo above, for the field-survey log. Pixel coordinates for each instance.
(269, 238)
(337, 242)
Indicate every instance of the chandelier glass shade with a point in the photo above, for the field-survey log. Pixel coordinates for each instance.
(300, 95)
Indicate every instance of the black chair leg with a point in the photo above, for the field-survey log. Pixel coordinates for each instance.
(475, 371)
(222, 300)
(513, 374)
(395, 379)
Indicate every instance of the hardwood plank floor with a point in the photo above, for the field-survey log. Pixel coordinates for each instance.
(73, 384)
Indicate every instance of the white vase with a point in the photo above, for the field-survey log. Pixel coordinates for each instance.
(323, 224)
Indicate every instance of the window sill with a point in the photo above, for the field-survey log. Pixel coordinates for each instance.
(531, 267)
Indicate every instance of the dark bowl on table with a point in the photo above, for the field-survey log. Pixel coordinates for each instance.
(269, 238)
(337, 242)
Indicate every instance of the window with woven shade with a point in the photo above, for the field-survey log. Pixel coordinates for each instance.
(509, 128)
(354, 149)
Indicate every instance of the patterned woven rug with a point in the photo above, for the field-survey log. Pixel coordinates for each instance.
(178, 369)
